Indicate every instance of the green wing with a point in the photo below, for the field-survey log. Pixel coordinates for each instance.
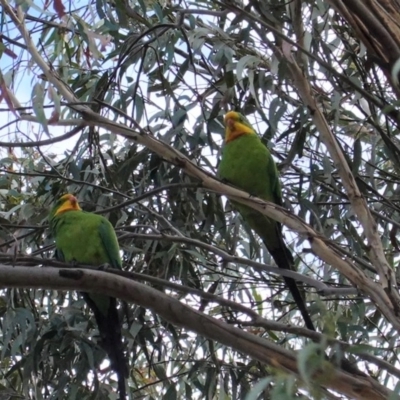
(110, 243)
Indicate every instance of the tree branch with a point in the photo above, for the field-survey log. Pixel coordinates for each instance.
(322, 288)
(181, 315)
(357, 200)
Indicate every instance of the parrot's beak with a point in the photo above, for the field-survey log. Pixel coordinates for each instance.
(73, 200)
(230, 123)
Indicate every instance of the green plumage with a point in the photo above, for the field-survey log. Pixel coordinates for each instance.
(247, 163)
(86, 238)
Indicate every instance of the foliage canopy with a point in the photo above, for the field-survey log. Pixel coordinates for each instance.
(122, 103)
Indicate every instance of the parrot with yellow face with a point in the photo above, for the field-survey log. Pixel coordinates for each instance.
(86, 238)
(247, 164)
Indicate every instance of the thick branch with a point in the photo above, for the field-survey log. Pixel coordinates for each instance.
(179, 314)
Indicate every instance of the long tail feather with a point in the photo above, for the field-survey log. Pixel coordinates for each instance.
(284, 259)
(111, 340)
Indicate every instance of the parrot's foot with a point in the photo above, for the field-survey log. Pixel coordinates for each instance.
(104, 267)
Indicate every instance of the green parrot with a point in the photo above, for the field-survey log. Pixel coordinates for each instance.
(247, 164)
(86, 238)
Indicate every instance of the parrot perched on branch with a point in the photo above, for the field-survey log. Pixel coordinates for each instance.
(86, 238)
(247, 164)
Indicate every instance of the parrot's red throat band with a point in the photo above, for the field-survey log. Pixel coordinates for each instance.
(235, 129)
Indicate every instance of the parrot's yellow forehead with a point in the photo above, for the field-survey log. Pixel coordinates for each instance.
(236, 126)
(68, 202)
